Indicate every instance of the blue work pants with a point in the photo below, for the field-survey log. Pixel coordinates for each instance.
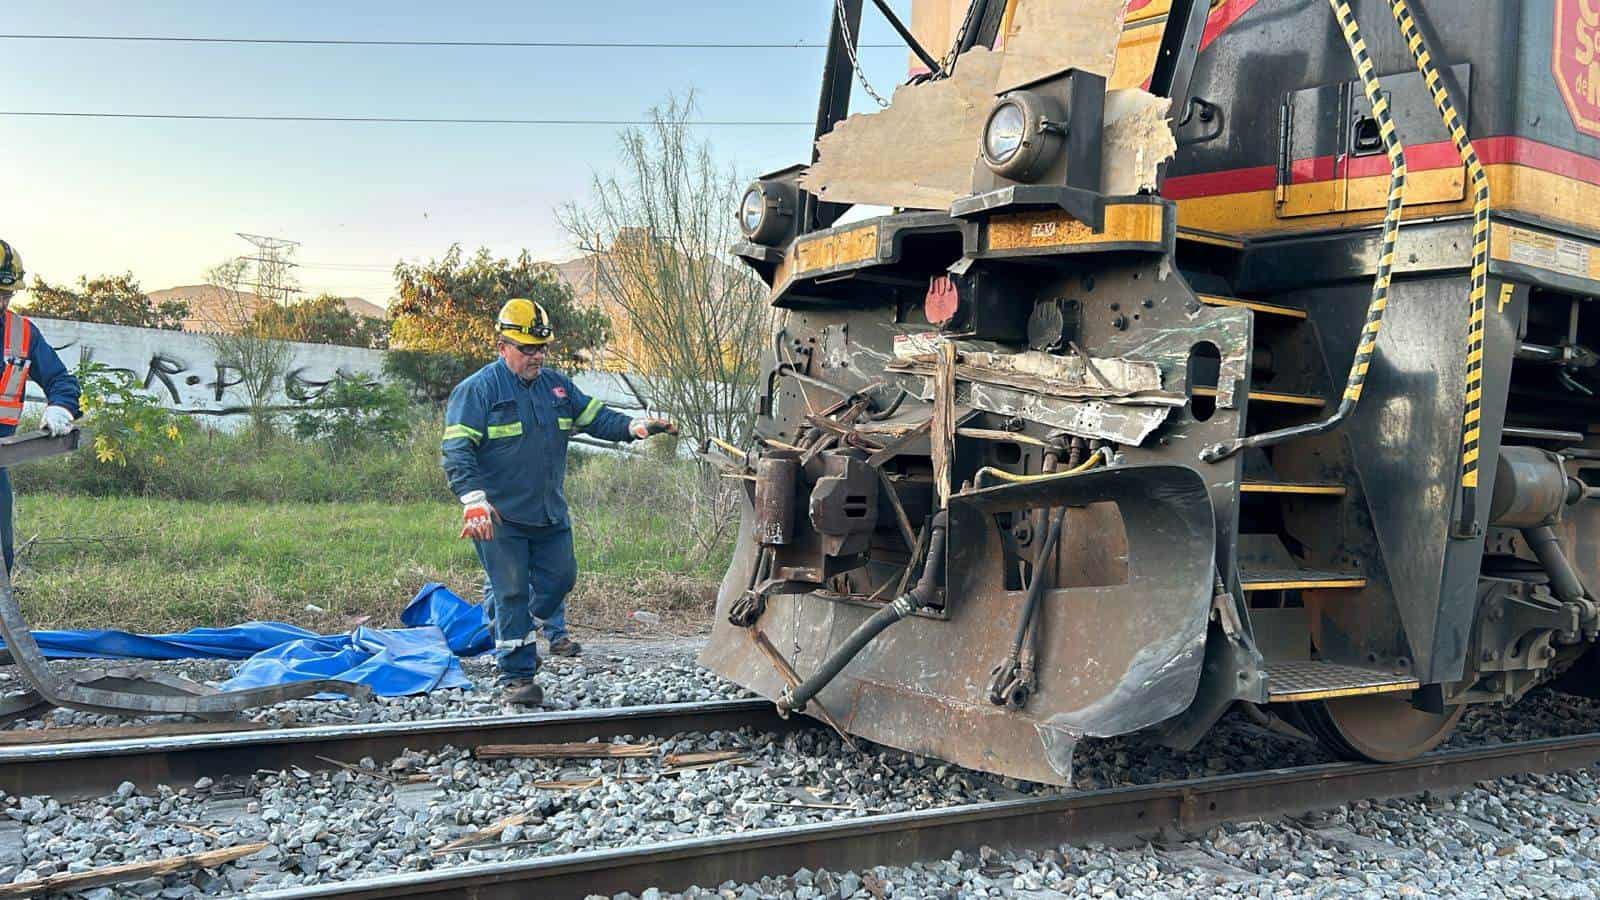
(553, 628)
(530, 572)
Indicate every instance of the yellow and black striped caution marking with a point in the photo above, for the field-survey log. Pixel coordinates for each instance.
(1470, 420)
(1368, 344)
(1391, 215)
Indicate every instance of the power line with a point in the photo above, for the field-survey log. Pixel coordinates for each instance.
(339, 42)
(391, 120)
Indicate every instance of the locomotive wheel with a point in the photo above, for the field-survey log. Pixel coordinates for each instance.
(1376, 727)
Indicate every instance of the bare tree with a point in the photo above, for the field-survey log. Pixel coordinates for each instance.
(243, 351)
(658, 233)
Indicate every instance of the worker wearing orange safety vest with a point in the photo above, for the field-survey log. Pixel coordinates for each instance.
(27, 355)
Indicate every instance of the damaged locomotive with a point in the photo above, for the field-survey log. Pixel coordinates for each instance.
(1206, 354)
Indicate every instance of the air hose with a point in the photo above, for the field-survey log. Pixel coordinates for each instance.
(919, 596)
(1470, 425)
(1368, 343)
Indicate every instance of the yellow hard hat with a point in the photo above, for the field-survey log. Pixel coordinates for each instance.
(523, 321)
(11, 274)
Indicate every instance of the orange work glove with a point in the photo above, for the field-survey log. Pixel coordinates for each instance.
(642, 428)
(478, 517)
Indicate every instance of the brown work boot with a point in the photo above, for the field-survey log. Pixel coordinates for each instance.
(524, 692)
(565, 647)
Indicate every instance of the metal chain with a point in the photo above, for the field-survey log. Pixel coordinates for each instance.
(850, 49)
(949, 61)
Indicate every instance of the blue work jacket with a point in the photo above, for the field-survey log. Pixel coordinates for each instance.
(508, 438)
(44, 369)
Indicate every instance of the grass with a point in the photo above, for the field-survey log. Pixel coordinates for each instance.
(648, 537)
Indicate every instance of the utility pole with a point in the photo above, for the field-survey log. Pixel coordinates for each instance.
(273, 263)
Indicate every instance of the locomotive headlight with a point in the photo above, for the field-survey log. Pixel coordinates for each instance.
(1023, 135)
(766, 211)
(1002, 136)
(751, 211)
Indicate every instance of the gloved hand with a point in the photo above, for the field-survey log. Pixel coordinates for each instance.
(644, 427)
(477, 517)
(57, 420)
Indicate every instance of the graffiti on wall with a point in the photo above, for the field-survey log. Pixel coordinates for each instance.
(184, 372)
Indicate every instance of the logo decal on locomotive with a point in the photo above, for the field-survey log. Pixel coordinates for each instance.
(1575, 61)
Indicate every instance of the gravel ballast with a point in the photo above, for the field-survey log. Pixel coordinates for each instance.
(383, 816)
(1524, 837)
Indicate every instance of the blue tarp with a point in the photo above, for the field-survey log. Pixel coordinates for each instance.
(393, 662)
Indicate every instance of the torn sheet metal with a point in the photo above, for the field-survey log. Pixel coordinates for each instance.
(1073, 377)
(1138, 138)
(1103, 419)
(1045, 38)
(916, 154)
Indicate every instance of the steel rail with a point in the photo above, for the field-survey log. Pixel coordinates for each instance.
(95, 768)
(902, 838)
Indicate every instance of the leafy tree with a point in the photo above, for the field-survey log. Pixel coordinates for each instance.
(323, 319)
(109, 299)
(448, 306)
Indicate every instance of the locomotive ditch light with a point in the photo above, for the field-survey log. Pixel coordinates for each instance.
(1023, 136)
(765, 212)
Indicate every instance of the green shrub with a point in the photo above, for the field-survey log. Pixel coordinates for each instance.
(354, 415)
(133, 438)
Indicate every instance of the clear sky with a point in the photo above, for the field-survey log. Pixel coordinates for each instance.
(164, 199)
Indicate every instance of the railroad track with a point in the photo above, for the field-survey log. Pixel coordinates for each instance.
(902, 838)
(94, 768)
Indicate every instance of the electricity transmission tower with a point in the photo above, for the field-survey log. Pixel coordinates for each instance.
(273, 266)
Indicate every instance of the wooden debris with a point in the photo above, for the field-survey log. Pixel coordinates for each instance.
(78, 881)
(1045, 38)
(349, 767)
(483, 835)
(584, 750)
(682, 760)
(123, 732)
(944, 420)
(792, 678)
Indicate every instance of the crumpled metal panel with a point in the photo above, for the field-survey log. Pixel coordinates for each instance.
(1114, 658)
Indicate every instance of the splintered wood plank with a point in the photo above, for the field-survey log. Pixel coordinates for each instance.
(583, 750)
(78, 881)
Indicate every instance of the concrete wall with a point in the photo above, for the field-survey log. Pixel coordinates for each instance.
(182, 369)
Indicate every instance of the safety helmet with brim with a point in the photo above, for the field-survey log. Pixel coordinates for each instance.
(523, 321)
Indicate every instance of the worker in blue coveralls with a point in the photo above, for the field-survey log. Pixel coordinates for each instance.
(505, 454)
(27, 355)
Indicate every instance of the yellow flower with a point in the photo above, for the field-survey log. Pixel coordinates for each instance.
(104, 450)
(172, 432)
(158, 459)
(138, 428)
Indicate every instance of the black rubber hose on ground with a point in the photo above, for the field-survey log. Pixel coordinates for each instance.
(919, 596)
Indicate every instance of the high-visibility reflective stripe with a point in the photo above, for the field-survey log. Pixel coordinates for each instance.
(505, 431)
(589, 413)
(14, 381)
(564, 424)
(451, 432)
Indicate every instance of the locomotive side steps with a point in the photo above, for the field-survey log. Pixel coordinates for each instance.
(1299, 680)
(1298, 580)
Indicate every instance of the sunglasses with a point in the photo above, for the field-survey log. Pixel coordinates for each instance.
(527, 349)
